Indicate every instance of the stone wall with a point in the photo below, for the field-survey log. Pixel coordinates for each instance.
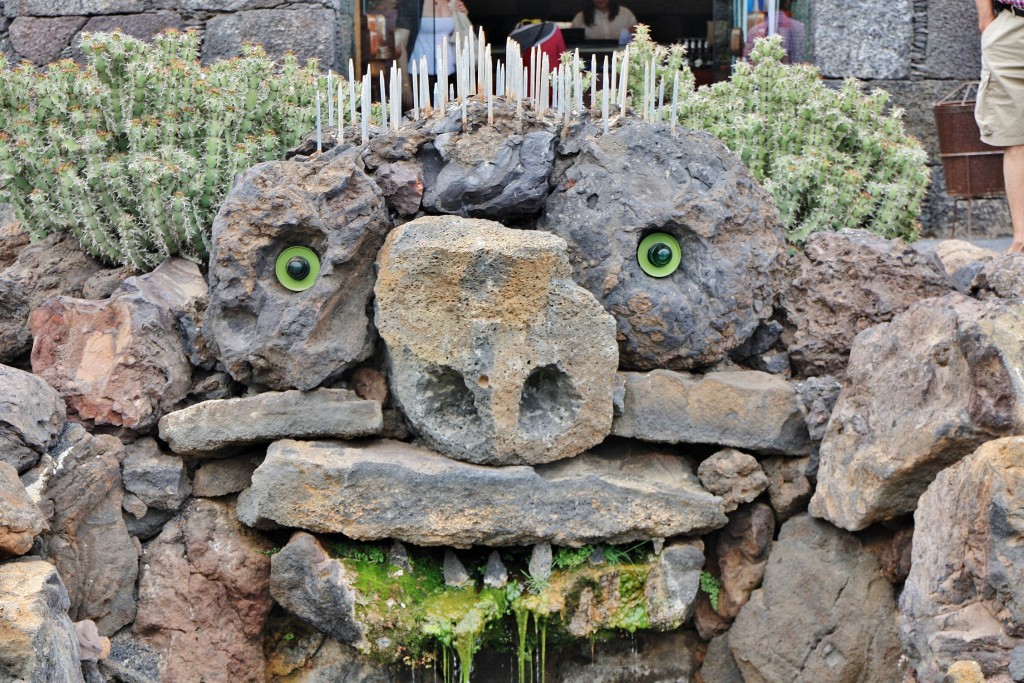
(919, 51)
(42, 31)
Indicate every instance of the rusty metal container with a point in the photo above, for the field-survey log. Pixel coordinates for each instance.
(973, 169)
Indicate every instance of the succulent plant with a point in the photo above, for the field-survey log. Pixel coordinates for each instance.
(831, 158)
(134, 152)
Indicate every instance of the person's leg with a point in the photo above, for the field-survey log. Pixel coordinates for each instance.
(1013, 172)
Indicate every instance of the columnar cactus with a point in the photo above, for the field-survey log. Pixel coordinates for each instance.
(134, 152)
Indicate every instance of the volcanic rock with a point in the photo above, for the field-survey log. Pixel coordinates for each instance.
(745, 409)
(733, 475)
(638, 180)
(222, 477)
(20, 519)
(32, 416)
(789, 488)
(844, 282)
(922, 392)
(267, 334)
(496, 356)
(389, 489)
(158, 479)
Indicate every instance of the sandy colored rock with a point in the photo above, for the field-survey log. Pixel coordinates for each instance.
(388, 489)
(495, 355)
(964, 597)
(88, 542)
(20, 519)
(824, 613)
(733, 475)
(789, 488)
(39, 640)
(746, 409)
(32, 416)
(640, 179)
(206, 574)
(55, 266)
(964, 672)
(842, 283)
(213, 427)
(268, 335)
(955, 254)
(922, 392)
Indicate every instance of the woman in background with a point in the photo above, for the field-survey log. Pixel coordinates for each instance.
(604, 20)
(423, 26)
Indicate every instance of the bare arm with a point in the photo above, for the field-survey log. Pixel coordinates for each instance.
(985, 14)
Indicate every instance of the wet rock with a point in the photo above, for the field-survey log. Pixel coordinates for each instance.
(541, 561)
(222, 477)
(611, 495)
(639, 180)
(39, 640)
(488, 173)
(964, 597)
(496, 574)
(120, 361)
(455, 573)
(844, 282)
(13, 236)
(922, 392)
(92, 647)
(733, 475)
(326, 661)
(744, 409)
(789, 489)
(317, 589)
(56, 266)
(999, 278)
(817, 397)
(671, 590)
(213, 427)
(206, 574)
(644, 657)
(269, 335)
(824, 613)
(20, 519)
(955, 254)
(742, 555)
(158, 479)
(402, 185)
(80, 489)
(496, 356)
(32, 416)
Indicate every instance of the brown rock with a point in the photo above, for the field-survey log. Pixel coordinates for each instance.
(13, 236)
(789, 489)
(221, 477)
(955, 254)
(733, 475)
(39, 644)
(844, 282)
(896, 555)
(53, 267)
(964, 596)
(88, 540)
(204, 597)
(32, 416)
(42, 39)
(370, 385)
(743, 547)
(20, 519)
(402, 185)
(120, 361)
(922, 392)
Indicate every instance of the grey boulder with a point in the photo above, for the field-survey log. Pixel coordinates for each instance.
(638, 180)
(388, 489)
(160, 480)
(32, 415)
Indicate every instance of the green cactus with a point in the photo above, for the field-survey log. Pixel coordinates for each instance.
(830, 158)
(134, 152)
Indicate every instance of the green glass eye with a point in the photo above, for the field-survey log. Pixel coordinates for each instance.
(659, 254)
(297, 268)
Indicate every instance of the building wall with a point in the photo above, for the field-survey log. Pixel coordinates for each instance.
(918, 51)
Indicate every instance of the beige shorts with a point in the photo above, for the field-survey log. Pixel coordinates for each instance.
(1000, 107)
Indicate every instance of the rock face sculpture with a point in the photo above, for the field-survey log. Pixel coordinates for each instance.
(291, 271)
(497, 357)
(719, 266)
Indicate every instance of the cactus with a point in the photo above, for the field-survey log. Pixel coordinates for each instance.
(830, 158)
(134, 152)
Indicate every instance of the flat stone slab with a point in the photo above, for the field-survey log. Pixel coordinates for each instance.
(389, 489)
(213, 427)
(747, 409)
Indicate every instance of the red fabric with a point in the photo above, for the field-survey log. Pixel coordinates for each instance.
(552, 44)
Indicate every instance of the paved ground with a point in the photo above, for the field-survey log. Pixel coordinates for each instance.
(996, 244)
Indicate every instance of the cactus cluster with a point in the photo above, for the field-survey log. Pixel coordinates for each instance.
(133, 152)
(831, 158)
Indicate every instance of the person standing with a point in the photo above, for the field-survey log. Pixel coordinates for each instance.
(1000, 106)
(423, 27)
(791, 30)
(604, 19)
